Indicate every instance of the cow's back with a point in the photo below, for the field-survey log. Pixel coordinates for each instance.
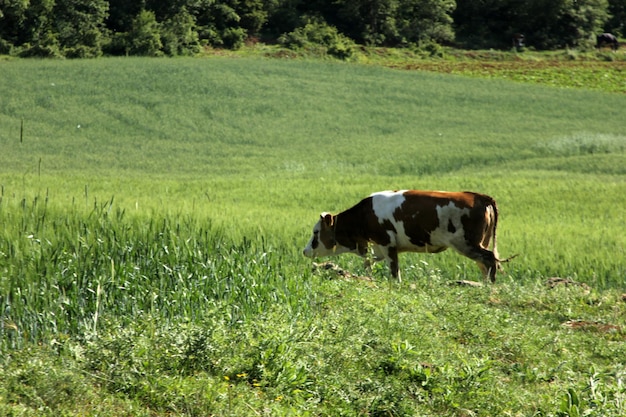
(430, 221)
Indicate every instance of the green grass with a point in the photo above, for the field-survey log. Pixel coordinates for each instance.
(153, 212)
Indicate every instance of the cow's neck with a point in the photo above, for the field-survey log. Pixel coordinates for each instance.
(349, 232)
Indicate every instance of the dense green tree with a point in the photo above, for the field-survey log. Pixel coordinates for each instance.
(144, 37)
(420, 21)
(253, 15)
(179, 34)
(12, 21)
(564, 23)
(617, 21)
(582, 20)
(26, 27)
(122, 13)
(545, 23)
(391, 22)
(218, 23)
(86, 28)
(228, 23)
(370, 21)
(284, 16)
(79, 25)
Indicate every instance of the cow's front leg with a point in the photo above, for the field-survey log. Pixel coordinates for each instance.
(390, 254)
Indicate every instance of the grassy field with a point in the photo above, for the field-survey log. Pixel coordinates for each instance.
(153, 212)
(598, 70)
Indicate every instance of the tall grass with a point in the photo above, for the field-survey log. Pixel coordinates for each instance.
(64, 270)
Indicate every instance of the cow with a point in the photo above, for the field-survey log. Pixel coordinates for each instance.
(518, 41)
(412, 221)
(605, 39)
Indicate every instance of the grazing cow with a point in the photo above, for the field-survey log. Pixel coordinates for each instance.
(605, 39)
(412, 221)
(518, 41)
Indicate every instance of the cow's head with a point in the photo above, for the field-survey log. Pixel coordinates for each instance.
(323, 241)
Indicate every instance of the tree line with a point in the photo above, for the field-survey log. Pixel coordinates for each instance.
(91, 28)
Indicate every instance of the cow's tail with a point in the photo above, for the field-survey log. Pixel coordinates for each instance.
(493, 228)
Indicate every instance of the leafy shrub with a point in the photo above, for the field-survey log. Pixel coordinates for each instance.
(82, 51)
(429, 49)
(40, 51)
(5, 47)
(319, 34)
(234, 37)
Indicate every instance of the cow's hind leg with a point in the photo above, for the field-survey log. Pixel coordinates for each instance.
(392, 258)
(486, 260)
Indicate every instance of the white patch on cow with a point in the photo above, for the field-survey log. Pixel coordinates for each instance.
(446, 215)
(385, 203)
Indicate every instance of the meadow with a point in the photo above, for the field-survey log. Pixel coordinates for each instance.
(153, 213)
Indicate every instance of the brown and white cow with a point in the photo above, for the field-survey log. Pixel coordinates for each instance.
(412, 221)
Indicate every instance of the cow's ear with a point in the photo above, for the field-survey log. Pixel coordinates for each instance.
(327, 218)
